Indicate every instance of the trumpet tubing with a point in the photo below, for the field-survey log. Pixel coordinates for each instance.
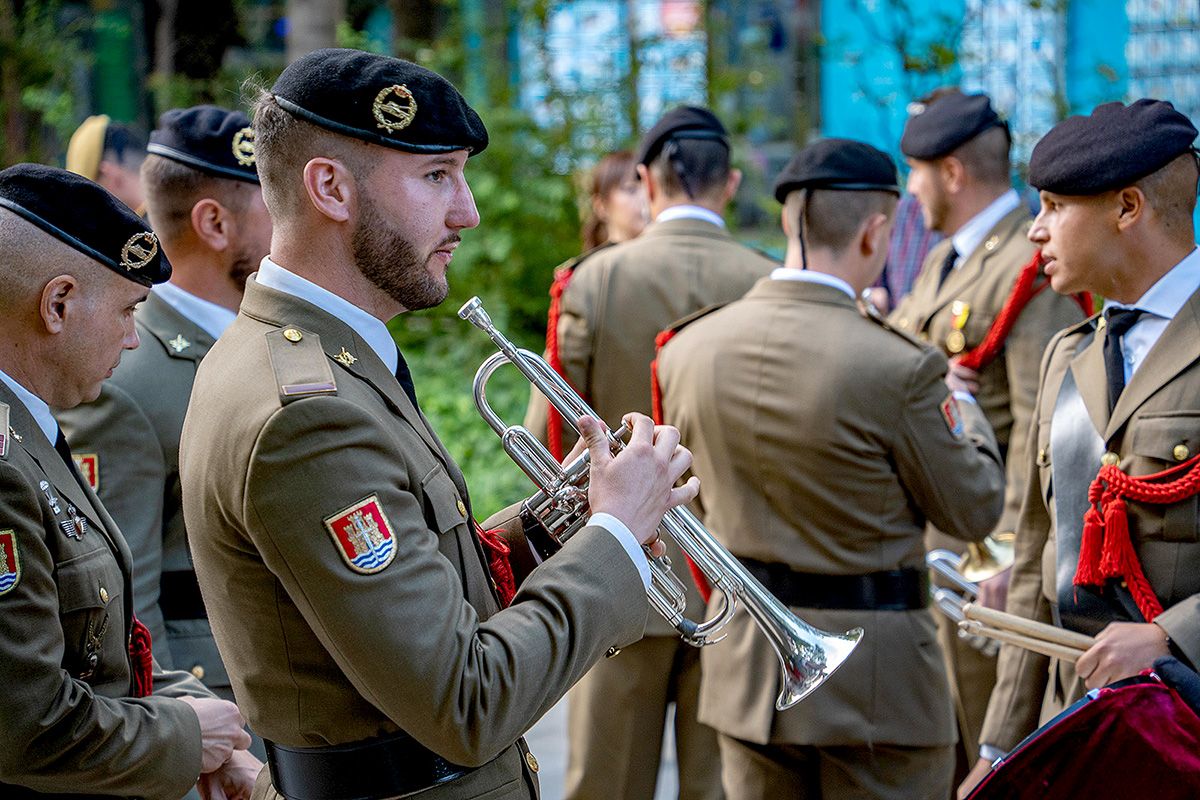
(807, 655)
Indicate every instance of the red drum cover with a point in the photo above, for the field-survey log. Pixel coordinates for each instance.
(1135, 738)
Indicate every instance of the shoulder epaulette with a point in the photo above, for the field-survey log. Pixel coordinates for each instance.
(572, 264)
(4, 431)
(683, 322)
(882, 322)
(660, 341)
(301, 368)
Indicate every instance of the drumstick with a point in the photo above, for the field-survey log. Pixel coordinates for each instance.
(1028, 627)
(1025, 642)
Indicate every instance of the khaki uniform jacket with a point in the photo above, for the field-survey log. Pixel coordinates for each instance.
(281, 443)
(821, 442)
(615, 305)
(132, 431)
(1007, 386)
(1158, 411)
(69, 723)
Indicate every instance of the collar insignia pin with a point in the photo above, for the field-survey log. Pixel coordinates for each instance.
(345, 358)
(15, 435)
(394, 108)
(179, 344)
(139, 251)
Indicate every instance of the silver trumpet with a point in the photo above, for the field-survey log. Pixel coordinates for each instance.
(949, 565)
(807, 655)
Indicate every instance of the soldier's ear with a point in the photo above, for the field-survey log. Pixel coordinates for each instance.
(1131, 206)
(330, 187)
(211, 223)
(57, 301)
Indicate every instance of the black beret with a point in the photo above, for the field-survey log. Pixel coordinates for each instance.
(1111, 148)
(936, 129)
(85, 216)
(842, 164)
(213, 140)
(380, 100)
(685, 122)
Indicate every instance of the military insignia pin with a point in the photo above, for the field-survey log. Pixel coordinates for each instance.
(139, 251)
(394, 108)
(89, 468)
(952, 416)
(75, 526)
(345, 358)
(243, 147)
(363, 536)
(179, 344)
(10, 562)
(51, 498)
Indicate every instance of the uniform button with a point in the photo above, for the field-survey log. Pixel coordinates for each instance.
(1110, 459)
(293, 335)
(1181, 452)
(103, 595)
(198, 672)
(531, 761)
(462, 508)
(1041, 459)
(991, 243)
(904, 322)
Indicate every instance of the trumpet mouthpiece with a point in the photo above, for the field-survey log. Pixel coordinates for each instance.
(472, 311)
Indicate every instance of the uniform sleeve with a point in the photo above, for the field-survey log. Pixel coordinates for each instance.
(1021, 675)
(58, 734)
(133, 474)
(1046, 315)
(946, 455)
(1182, 623)
(464, 688)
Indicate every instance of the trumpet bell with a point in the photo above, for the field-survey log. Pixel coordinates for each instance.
(808, 657)
(988, 558)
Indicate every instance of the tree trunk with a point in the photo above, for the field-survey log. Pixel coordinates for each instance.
(312, 24)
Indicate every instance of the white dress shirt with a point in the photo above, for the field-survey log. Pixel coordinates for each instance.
(808, 276)
(1161, 302)
(970, 235)
(209, 317)
(688, 211)
(36, 406)
(375, 333)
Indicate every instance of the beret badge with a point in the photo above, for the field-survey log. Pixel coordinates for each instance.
(394, 108)
(243, 146)
(139, 251)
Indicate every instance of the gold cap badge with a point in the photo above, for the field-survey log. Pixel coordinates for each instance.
(394, 108)
(139, 251)
(243, 147)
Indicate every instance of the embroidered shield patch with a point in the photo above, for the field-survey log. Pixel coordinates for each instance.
(10, 562)
(363, 536)
(952, 416)
(89, 468)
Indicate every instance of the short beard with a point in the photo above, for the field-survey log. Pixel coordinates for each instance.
(392, 263)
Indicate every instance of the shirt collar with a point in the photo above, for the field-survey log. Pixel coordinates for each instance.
(970, 235)
(372, 331)
(36, 406)
(688, 211)
(1171, 291)
(808, 276)
(210, 317)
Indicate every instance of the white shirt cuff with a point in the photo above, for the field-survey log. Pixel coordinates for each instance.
(965, 397)
(623, 535)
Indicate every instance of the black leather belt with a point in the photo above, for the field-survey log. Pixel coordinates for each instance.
(179, 596)
(393, 766)
(892, 590)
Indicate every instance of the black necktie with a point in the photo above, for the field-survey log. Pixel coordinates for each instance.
(404, 376)
(1118, 321)
(947, 265)
(64, 450)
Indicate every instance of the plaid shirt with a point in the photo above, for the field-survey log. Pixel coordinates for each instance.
(911, 242)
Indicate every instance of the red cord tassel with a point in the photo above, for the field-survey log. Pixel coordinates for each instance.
(141, 660)
(497, 552)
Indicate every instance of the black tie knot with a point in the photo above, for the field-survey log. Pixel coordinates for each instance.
(1117, 322)
(947, 266)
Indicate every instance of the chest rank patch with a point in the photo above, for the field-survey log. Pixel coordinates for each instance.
(363, 536)
(10, 562)
(89, 468)
(952, 416)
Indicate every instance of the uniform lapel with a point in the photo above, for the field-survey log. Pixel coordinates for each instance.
(180, 337)
(1092, 379)
(1175, 350)
(959, 281)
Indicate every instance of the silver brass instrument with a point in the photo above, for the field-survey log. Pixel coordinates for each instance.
(946, 563)
(807, 655)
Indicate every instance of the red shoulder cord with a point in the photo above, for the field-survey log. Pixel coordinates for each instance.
(1106, 550)
(554, 420)
(1025, 288)
(497, 552)
(140, 659)
(656, 410)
